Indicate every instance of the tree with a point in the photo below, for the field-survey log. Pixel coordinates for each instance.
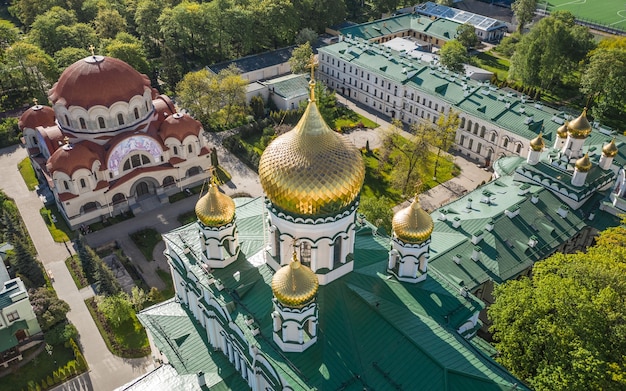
(301, 58)
(551, 51)
(67, 56)
(377, 211)
(232, 92)
(49, 309)
(87, 258)
(109, 23)
(27, 10)
(506, 47)
(564, 329)
(447, 125)
(44, 30)
(116, 308)
(604, 79)
(138, 297)
(106, 283)
(9, 34)
(128, 49)
(524, 11)
(25, 263)
(466, 35)
(60, 333)
(146, 15)
(257, 104)
(405, 154)
(306, 35)
(453, 55)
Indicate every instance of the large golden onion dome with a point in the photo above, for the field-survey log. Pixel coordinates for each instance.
(215, 209)
(412, 224)
(294, 285)
(583, 164)
(562, 130)
(580, 127)
(610, 150)
(537, 144)
(311, 170)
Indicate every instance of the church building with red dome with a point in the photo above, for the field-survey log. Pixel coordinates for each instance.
(110, 143)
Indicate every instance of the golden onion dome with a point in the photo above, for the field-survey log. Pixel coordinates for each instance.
(311, 170)
(215, 209)
(610, 150)
(584, 163)
(562, 130)
(580, 127)
(412, 224)
(537, 144)
(294, 285)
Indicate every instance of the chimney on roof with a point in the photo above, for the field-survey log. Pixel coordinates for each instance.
(476, 253)
(563, 210)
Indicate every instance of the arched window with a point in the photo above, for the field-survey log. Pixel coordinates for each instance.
(146, 102)
(117, 198)
(482, 131)
(469, 125)
(90, 206)
(136, 161)
(168, 181)
(337, 250)
(305, 253)
(175, 150)
(518, 148)
(83, 184)
(136, 113)
(190, 148)
(493, 137)
(120, 119)
(67, 120)
(83, 125)
(194, 171)
(65, 185)
(505, 142)
(462, 122)
(101, 123)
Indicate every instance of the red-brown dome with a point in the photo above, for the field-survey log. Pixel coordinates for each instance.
(70, 158)
(179, 126)
(37, 115)
(98, 80)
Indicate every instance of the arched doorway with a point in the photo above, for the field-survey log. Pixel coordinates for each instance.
(144, 188)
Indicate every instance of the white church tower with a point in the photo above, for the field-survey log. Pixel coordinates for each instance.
(312, 177)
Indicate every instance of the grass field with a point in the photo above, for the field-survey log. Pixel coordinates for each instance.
(610, 13)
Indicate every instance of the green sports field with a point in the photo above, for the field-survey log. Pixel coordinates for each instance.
(609, 13)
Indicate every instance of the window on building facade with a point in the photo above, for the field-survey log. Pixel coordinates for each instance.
(482, 131)
(83, 184)
(66, 186)
(493, 137)
(518, 148)
(101, 123)
(305, 253)
(120, 119)
(190, 148)
(505, 142)
(67, 121)
(13, 316)
(83, 125)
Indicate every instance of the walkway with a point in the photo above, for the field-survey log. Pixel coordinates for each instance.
(106, 370)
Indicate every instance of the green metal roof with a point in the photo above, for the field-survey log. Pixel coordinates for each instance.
(7, 334)
(505, 251)
(290, 86)
(438, 28)
(504, 108)
(373, 331)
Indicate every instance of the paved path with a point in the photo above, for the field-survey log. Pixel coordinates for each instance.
(107, 371)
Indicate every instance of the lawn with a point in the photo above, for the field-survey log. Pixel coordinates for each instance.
(57, 226)
(168, 292)
(353, 120)
(609, 13)
(26, 169)
(146, 240)
(128, 340)
(37, 370)
(493, 62)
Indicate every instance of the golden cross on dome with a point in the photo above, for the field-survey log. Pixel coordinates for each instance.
(213, 180)
(35, 101)
(311, 64)
(92, 49)
(67, 140)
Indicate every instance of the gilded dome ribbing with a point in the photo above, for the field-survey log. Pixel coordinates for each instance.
(537, 144)
(610, 150)
(311, 170)
(412, 224)
(294, 285)
(562, 130)
(580, 127)
(215, 209)
(583, 164)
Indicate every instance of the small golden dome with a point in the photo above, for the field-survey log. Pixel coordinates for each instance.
(562, 130)
(537, 143)
(311, 170)
(215, 209)
(610, 150)
(583, 164)
(294, 285)
(412, 224)
(580, 127)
